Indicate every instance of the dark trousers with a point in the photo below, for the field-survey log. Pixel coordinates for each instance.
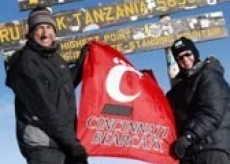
(51, 156)
(208, 157)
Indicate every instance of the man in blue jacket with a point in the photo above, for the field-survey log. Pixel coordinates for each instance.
(45, 103)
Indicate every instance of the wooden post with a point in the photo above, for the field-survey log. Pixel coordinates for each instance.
(172, 67)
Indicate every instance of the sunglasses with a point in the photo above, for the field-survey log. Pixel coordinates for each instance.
(184, 55)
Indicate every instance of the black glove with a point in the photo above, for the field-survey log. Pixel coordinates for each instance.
(181, 145)
(77, 160)
(77, 67)
(78, 155)
(83, 52)
(79, 152)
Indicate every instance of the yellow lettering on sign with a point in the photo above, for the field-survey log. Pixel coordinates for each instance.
(67, 45)
(148, 43)
(60, 23)
(70, 55)
(99, 16)
(171, 3)
(77, 17)
(88, 18)
(118, 46)
(204, 33)
(192, 1)
(143, 8)
(118, 36)
(163, 5)
(211, 32)
(109, 17)
(33, 1)
(10, 34)
(4, 36)
(138, 43)
(130, 9)
(120, 12)
(132, 45)
(76, 44)
(181, 2)
(113, 13)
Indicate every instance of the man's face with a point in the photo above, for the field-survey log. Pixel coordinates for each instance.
(44, 34)
(186, 59)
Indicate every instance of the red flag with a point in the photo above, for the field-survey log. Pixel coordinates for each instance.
(123, 112)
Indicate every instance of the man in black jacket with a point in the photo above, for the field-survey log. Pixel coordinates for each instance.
(45, 103)
(201, 104)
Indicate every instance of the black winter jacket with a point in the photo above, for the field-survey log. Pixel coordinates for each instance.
(201, 104)
(44, 98)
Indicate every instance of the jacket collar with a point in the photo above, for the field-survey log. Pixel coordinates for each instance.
(43, 51)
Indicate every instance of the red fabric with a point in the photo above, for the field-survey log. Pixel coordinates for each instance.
(146, 133)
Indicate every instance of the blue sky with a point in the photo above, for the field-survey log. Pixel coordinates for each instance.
(154, 60)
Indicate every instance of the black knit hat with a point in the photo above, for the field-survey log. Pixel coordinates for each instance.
(40, 15)
(184, 44)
